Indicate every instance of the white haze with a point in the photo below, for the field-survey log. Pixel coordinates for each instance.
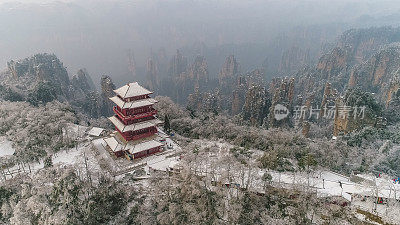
(98, 34)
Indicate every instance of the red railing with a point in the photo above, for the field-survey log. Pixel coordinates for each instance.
(129, 137)
(125, 119)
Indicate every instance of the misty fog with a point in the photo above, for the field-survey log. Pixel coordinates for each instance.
(107, 37)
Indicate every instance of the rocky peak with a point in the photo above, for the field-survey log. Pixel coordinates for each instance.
(328, 98)
(230, 69)
(82, 81)
(283, 94)
(256, 105)
(380, 74)
(107, 91)
(198, 72)
(186, 82)
(32, 75)
(240, 88)
(356, 118)
(363, 43)
(293, 59)
(43, 67)
(204, 101)
(178, 64)
(107, 87)
(132, 64)
(152, 80)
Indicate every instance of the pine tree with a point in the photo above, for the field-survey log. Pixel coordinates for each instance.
(167, 125)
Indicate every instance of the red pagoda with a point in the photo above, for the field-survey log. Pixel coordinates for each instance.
(135, 122)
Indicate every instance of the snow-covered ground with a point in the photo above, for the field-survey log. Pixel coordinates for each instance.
(93, 154)
(6, 148)
(70, 157)
(120, 166)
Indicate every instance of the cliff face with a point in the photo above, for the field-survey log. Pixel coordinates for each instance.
(178, 65)
(195, 77)
(359, 59)
(240, 88)
(283, 94)
(152, 79)
(353, 47)
(229, 71)
(132, 64)
(256, 105)
(292, 60)
(82, 81)
(107, 91)
(380, 74)
(328, 99)
(355, 110)
(198, 72)
(363, 43)
(38, 69)
(333, 63)
(43, 78)
(205, 101)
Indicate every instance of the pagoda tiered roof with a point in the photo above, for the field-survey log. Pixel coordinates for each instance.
(139, 138)
(134, 104)
(133, 127)
(132, 90)
(133, 147)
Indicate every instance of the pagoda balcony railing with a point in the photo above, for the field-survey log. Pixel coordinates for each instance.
(130, 137)
(133, 117)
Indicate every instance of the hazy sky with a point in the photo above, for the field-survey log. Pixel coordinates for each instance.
(98, 34)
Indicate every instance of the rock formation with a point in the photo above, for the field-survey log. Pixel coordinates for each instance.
(82, 81)
(152, 79)
(380, 74)
(196, 77)
(292, 60)
(328, 99)
(198, 72)
(43, 78)
(240, 88)
(362, 58)
(204, 101)
(256, 105)
(132, 64)
(229, 71)
(40, 68)
(355, 110)
(283, 94)
(107, 91)
(178, 65)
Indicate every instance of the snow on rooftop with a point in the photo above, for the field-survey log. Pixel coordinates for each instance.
(133, 127)
(96, 131)
(6, 148)
(133, 147)
(132, 90)
(143, 146)
(135, 104)
(115, 145)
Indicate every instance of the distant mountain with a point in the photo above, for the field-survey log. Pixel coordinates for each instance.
(43, 78)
